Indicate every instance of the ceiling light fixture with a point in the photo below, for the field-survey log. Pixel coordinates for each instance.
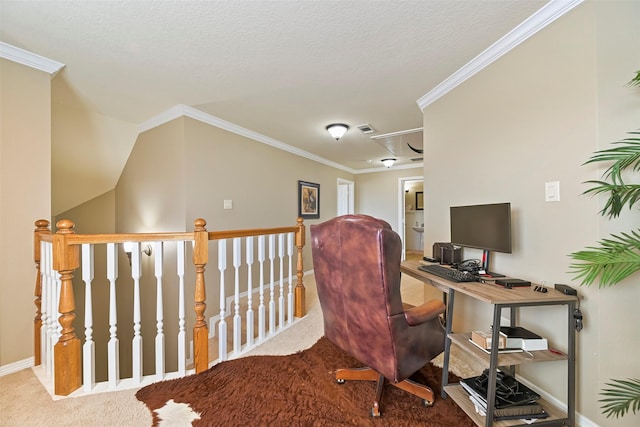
(388, 162)
(337, 130)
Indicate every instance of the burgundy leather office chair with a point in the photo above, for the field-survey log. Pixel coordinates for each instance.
(356, 260)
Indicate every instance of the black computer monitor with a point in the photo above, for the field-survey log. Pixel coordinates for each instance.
(486, 227)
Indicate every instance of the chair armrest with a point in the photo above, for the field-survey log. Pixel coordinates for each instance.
(422, 313)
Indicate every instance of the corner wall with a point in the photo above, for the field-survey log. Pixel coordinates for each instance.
(25, 158)
(534, 116)
(184, 170)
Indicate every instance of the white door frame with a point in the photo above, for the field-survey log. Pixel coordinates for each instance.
(350, 202)
(401, 213)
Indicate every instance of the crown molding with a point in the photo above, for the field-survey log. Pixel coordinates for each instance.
(30, 59)
(543, 17)
(182, 110)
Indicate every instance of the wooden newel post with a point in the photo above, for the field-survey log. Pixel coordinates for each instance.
(42, 227)
(200, 330)
(66, 352)
(301, 306)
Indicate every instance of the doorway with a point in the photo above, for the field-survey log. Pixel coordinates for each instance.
(345, 205)
(411, 216)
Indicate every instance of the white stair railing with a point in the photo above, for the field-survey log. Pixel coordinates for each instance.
(275, 254)
(99, 350)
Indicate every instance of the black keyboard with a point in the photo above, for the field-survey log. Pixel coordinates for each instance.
(448, 273)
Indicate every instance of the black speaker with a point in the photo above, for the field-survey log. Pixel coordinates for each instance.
(446, 253)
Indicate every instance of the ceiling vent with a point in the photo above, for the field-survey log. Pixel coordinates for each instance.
(366, 129)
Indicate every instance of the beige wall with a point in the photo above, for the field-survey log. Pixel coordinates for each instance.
(25, 185)
(377, 193)
(184, 170)
(535, 116)
(151, 197)
(262, 182)
(87, 153)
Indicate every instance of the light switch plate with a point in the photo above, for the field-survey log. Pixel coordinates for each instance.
(552, 191)
(228, 204)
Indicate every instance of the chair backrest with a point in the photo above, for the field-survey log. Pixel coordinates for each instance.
(356, 262)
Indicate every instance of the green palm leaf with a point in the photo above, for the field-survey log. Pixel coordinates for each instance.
(636, 80)
(619, 196)
(625, 154)
(613, 261)
(623, 395)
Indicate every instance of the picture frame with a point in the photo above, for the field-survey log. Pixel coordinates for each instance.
(308, 200)
(419, 200)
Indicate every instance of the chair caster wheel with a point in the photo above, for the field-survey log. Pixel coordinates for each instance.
(340, 381)
(375, 412)
(427, 403)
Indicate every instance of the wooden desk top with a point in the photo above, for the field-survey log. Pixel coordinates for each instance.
(487, 292)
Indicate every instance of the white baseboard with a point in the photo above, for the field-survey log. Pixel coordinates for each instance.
(16, 366)
(581, 420)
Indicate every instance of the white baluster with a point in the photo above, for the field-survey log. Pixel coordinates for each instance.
(136, 273)
(290, 294)
(261, 311)
(249, 249)
(182, 336)
(45, 270)
(56, 327)
(88, 349)
(113, 347)
(272, 301)
(237, 320)
(160, 355)
(281, 297)
(222, 325)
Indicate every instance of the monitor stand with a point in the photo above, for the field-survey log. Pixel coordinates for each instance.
(485, 266)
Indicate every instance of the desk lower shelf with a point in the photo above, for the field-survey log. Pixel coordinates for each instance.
(457, 393)
(506, 359)
(460, 396)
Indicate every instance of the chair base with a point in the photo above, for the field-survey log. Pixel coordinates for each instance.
(368, 374)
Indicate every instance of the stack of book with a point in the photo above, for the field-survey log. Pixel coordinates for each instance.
(482, 339)
(513, 400)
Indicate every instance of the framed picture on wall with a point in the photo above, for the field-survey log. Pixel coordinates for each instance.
(419, 200)
(308, 200)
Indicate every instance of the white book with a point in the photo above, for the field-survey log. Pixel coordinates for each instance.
(534, 345)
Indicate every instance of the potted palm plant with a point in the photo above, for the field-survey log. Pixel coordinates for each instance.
(618, 257)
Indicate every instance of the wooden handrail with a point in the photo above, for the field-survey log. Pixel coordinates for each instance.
(79, 239)
(230, 234)
(66, 258)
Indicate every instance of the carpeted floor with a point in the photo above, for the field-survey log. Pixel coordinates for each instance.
(294, 390)
(21, 391)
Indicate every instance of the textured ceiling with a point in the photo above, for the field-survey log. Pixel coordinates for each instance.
(284, 69)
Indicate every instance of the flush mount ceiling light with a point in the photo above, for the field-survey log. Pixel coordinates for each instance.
(388, 162)
(337, 130)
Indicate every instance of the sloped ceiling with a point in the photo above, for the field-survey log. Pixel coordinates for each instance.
(283, 69)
